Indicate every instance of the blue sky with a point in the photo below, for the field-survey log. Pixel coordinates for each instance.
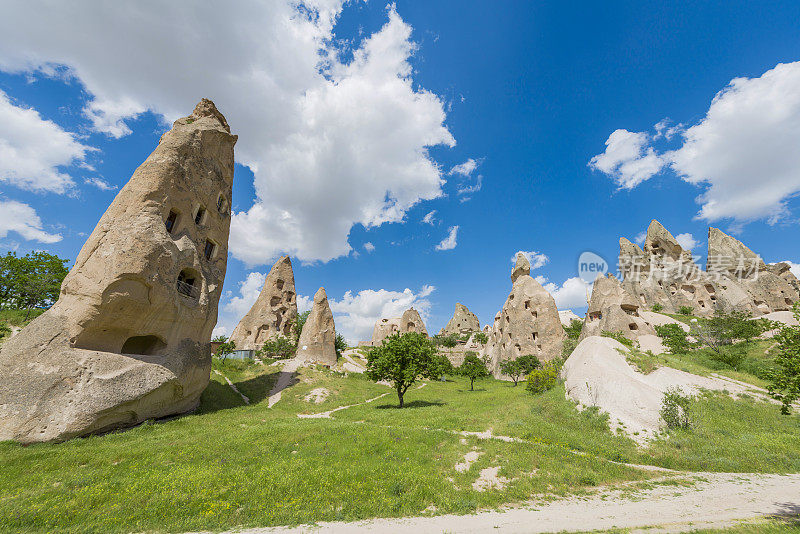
(547, 127)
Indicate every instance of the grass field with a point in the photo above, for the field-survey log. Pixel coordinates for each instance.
(234, 465)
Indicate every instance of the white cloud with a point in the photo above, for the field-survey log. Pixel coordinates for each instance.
(449, 242)
(686, 241)
(429, 218)
(32, 149)
(369, 247)
(100, 184)
(304, 303)
(219, 331)
(571, 294)
(22, 219)
(249, 290)
(536, 259)
(465, 169)
(469, 189)
(628, 159)
(331, 144)
(640, 237)
(356, 315)
(743, 153)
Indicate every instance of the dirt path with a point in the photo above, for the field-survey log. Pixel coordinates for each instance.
(719, 500)
(285, 379)
(233, 387)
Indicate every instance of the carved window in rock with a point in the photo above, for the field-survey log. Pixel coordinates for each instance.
(222, 204)
(210, 249)
(200, 216)
(171, 222)
(187, 284)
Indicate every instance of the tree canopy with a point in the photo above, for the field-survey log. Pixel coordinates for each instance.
(402, 359)
(473, 368)
(30, 281)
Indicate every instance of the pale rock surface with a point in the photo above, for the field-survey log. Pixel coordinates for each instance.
(659, 319)
(410, 321)
(528, 323)
(274, 311)
(567, 316)
(613, 309)
(598, 374)
(463, 321)
(318, 339)
(129, 337)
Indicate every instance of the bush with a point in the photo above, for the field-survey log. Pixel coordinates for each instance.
(225, 349)
(686, 310)
(448, 341)
(279, 348)
(619, 337)
(730, 355)
(676, 408)
(657, 307)
(340, 344)
(481, 338)
(541, 380)
(674, 338)
(785, 382)
(573, 331)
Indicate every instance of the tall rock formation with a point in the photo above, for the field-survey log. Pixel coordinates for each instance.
(274, 311)
(527, 324)
(128, 338)
(318, 339)
(463, 321)
(410, 321)
(613, 309)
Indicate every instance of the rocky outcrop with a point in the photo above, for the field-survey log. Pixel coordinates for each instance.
(318, 338)
(128, 338)
(410, 321)
(783, 270)
(274, 311)
(567, 316)
(613, 309)
(462, 322)
(528, 323)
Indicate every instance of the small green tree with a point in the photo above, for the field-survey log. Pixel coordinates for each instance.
(657, 307)
(481, 338)
(674, 338)
(402, 360)
(298, 324)
(278, 348)
(520, 367)
(676, 408)
(785, 381)
(449, 341)
(226, 349)
(473, 368)
(32, 281)
(685, 310)
(340, 344)
(573, 331)
(219, 339)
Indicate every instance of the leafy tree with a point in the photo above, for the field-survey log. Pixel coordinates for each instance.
(674, 338)
(724, 328)
(574, 329)
(226, 349)
(32, 281)
(520, 367)
(473, 368)
(685, 310)
(676, 408)
(481, 338)
(297, 326)
(219, 339)
(278, 348)
(785, 382)
(657, 307)
(449, 341)
(402, 360)
(445, 366)
(340, 344)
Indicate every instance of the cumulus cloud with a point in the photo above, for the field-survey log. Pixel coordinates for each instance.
(22, 219)
(429, 218)
(304, 303)
(34, 150)
(536, 259)
(464, 169)
(640, 237)
(369, 247)
(100, 184)
(331, 142)
(355, 315)
(449, 242)
(686, 241)
(571, 294)
(249, 289)
(743, 153)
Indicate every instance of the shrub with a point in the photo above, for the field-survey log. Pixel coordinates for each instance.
(686, 310)
(785, 382)
(657, 307)
(541, 380)
(619, 337)
(225, 349)
(573, 331)
(676, 408)
(481, 338)
(674, 338)
(730, 355)
(279, 348)
(340, 344)
(448, 341)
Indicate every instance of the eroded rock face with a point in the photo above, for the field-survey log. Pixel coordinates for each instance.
(528, 323)
(318, 339)
(128, 338)
(613, 309)
(463, 321)
(409, 322)
(274, 311)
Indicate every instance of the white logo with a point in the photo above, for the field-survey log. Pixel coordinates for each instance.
(590, 265)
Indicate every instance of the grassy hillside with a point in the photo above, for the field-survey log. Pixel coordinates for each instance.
(236, 465)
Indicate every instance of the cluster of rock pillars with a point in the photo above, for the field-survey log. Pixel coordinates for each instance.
(129, 337)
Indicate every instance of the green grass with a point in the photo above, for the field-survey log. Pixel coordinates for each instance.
(9, 318)
(231, 465)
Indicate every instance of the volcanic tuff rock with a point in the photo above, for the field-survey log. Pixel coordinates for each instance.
(318, 340)
(613, 309)
(527, 324)
(128, 338)
(409, 322)
(463, 321)
(274, 311)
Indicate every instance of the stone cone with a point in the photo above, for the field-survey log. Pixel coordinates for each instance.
(318, 339)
